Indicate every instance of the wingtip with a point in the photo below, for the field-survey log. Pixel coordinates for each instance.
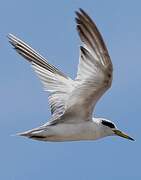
(10, 36)
(81, 10)
(11, 39)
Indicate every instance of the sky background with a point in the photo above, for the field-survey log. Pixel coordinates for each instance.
(49, 27)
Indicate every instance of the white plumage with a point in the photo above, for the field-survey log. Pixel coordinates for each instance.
(72, 101)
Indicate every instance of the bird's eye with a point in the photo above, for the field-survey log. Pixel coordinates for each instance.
(109, 124)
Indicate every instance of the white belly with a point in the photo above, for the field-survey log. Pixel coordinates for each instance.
(71, 132)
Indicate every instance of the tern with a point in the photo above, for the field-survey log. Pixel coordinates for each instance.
(72, 101)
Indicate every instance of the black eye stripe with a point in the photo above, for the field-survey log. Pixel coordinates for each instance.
(109, 124)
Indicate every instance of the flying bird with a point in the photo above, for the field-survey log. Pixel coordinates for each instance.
(72, 101)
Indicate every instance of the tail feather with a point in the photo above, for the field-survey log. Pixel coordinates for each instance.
(33, 133)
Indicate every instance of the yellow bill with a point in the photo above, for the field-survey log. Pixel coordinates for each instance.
(121, 134)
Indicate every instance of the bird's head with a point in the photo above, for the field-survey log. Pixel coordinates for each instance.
(110, 129)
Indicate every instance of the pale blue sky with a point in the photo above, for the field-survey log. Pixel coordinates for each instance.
(49, 27)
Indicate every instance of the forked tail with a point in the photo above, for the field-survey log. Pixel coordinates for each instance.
(36, 134)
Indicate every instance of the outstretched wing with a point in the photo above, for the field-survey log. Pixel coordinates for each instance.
(94, 74)
(54, 81)
(74, 99)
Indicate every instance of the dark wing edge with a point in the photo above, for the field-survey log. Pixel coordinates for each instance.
(92, 38)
